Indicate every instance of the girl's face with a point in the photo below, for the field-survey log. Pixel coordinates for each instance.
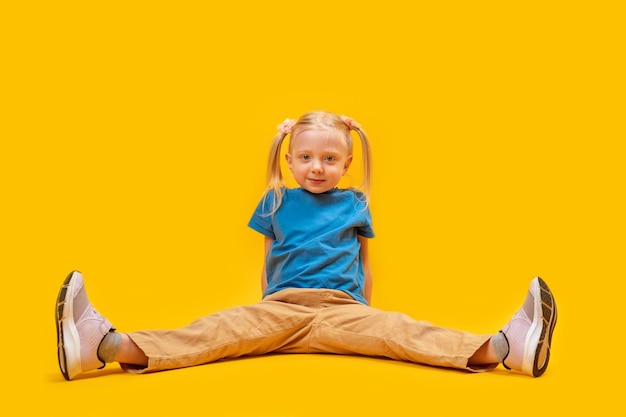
(318, 159)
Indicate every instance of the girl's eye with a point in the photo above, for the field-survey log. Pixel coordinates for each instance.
(305, 157)
(329, 158)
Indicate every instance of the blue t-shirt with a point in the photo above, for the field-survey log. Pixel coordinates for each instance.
(315, 240)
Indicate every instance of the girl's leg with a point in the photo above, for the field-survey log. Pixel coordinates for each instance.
(486, 354)
(130, 353)
(346, 326)
(87, 340)
(523, 344)
(256, 329)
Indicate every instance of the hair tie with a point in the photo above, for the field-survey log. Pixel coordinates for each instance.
(352, 125)
(286, 126)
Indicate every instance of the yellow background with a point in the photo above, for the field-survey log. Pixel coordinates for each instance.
(133, 148)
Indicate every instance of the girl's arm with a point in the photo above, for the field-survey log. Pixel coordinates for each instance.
(268, 245)
(365, 258)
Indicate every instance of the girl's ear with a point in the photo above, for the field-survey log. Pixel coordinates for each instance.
(347, 164)
(288, 158)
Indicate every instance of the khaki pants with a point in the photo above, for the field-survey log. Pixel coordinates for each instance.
(306, 321)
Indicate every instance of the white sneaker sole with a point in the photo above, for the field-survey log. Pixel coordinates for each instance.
(68, 340)
(539, 336)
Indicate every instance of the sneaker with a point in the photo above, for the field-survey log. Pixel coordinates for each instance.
(80, 329)
(529, 333)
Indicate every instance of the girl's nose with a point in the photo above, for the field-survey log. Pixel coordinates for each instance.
(317, 166)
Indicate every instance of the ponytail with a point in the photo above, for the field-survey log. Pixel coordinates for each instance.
(366, 152)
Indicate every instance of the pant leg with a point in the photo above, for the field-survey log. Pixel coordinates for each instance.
(345, 326)
(274, 324)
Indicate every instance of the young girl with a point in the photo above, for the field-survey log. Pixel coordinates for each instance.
(316, 285)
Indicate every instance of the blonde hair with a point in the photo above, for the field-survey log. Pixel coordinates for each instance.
(315, 120)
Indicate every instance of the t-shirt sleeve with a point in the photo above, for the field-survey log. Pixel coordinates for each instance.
(366, 230)
(260, 220)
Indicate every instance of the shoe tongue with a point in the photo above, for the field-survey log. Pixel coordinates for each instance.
(81, 303)
(529, 306)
